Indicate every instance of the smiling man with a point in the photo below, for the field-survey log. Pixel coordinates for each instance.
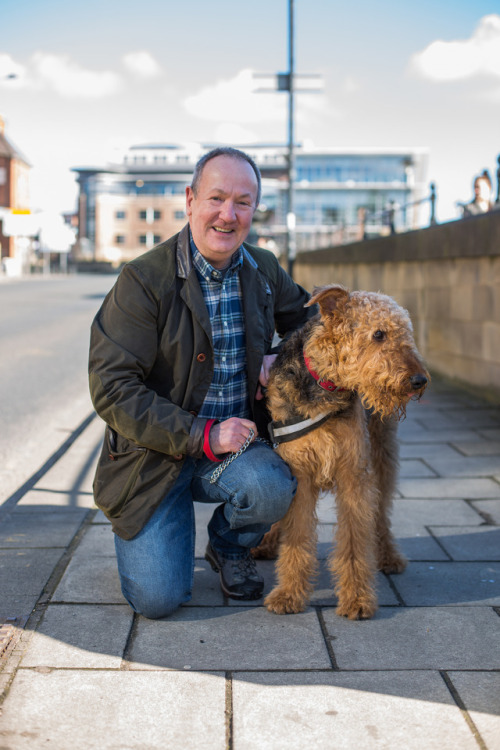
(179, 351)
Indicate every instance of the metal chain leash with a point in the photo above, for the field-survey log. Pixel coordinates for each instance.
(229, 459)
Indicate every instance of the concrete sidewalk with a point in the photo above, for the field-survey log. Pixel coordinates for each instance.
(79, 670)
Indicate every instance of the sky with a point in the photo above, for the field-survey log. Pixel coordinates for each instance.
(95, 77)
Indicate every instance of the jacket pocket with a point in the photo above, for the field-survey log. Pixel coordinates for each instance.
(117, 472)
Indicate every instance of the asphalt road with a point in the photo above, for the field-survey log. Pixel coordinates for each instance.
(44, 337)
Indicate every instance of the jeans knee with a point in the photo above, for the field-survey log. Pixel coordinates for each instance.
(155, 605)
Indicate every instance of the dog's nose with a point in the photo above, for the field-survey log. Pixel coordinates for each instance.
(418, 381)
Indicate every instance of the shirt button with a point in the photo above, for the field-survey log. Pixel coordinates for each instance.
(201, 357)
(223, 359)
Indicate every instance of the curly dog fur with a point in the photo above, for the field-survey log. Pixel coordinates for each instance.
(363, 343)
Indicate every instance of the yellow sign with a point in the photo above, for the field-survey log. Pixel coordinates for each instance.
(20, 210)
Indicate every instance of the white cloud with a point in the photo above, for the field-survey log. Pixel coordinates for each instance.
(60, 74)
(228, 132)
(235, 101)
(462, 58)
(142, 64)
(9, 67)
(68, 78)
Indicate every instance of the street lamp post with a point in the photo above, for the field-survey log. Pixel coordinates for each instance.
(286, 82)
(290, 218)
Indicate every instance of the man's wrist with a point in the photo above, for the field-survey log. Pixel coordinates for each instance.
(207, 450)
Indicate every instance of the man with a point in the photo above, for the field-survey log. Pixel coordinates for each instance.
(179, 351)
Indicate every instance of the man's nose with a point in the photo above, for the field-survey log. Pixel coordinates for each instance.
(227, 211)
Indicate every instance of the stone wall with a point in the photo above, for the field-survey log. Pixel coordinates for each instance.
(447, 276)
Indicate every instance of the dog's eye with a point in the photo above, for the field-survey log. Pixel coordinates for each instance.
(380, 335)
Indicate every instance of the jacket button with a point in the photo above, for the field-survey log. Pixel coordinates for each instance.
(194, 413)
(177, 457)
(201, 357)
(111, 457)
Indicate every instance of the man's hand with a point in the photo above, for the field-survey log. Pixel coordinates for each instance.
(229, 436)
(264, 374)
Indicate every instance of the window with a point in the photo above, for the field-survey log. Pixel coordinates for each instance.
(119, 239)
(179, 215)
(120, 214)
(157, 215)
(142, 239)
(143, 215)
(156, 239)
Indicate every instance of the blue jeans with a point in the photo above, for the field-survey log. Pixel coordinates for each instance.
(156, 566)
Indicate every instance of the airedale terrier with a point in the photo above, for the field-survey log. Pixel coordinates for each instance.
(336, 392)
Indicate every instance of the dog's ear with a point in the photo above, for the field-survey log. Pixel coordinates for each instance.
(329, 298)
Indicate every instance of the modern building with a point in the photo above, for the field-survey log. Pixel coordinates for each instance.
(128, 207)
(14, 201)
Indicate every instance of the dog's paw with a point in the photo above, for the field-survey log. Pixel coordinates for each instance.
(357, 609)
(282, 602)
(392, 563)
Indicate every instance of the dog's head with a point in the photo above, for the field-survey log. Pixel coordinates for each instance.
(369, 339)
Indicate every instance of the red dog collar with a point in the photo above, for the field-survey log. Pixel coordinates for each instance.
(327, 385)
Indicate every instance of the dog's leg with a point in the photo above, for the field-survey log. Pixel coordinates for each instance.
(268, 548)
(353, 561)
(296, 563)
(385, 454)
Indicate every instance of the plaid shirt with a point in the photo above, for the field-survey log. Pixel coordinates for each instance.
(228, 392)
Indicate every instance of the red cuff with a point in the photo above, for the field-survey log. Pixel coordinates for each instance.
(206, 442)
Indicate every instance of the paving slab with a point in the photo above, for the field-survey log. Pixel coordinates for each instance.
(478, 447)
(206, 587)
(418, 434)
(490, 510)
(13, 604)
(365, 710)
(49, 500)
(410, 515)
(480, 693)
(74, 471)
(26, 571)
(80, 637)
(469, 542)
(325, 509)
(414, 467)
(477, 488)
(98, 540)
(54, 529)
(233, 638)
(100, 518)
(91, 580)
(466, 466)
(417, 638)
(423, 451)
(475, 584)
(82, 709)
(492, 433)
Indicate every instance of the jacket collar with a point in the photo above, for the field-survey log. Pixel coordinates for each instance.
(184, 259)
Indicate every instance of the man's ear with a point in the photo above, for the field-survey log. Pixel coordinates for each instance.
(329, 298)
(189, 199)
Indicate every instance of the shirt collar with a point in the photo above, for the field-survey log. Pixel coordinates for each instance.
(206, 270)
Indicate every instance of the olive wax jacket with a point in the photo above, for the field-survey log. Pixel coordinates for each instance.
(151, 364)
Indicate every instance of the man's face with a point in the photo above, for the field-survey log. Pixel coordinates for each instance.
(221, 213)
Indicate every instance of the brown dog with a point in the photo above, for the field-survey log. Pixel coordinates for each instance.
(345, 378)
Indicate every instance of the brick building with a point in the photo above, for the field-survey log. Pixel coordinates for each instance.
(14, 194)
